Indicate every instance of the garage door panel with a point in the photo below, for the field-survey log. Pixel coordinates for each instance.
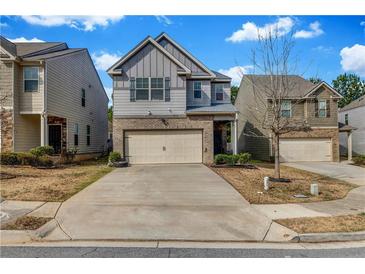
(305, 149)
(168, 146)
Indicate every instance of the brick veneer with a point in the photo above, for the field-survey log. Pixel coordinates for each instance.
(190, 122)
(320, 133)
(6, 117)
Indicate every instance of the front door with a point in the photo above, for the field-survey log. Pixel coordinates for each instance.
(54, 137)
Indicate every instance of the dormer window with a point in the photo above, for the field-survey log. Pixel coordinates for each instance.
(219, 91)
(31, 79)
(197, 90)
(285, 108)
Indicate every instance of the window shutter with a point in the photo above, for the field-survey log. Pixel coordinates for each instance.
(328, 109)
(316, 108)
(167, 89)
(132, 89)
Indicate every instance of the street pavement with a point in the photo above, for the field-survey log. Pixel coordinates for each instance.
(142, 252)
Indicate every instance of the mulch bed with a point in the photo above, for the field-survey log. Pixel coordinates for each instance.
(25, 223)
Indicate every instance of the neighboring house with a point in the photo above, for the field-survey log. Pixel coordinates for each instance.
(168, 106)
(353, 115)
(315, 106)
(51, 95)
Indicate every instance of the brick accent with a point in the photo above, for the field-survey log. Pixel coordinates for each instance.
(191, 122)
(320, 133)
(63, 123)
(6, 117)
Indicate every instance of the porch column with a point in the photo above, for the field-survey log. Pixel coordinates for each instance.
(234, 135)
(44, 129)
(349, 145)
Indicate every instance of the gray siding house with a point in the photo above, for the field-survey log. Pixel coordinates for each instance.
(51, 95)
(314, 106)
(168, 106)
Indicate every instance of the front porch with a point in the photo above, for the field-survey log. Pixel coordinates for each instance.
(225, 135)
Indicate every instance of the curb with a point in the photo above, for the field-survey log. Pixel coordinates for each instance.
(44, 230)
(329, 237)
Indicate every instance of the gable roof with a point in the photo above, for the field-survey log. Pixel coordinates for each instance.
(298, 87)
(137, 48)
(8, 46)
(51, 54)
(24, 49)
(360, 102)
(164, 35)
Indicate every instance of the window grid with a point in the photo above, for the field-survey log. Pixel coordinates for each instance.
(219, 92)
(285, 108)
(31, 79)
(322, 108)
(149, 89)
(197, 88)
(88, 130)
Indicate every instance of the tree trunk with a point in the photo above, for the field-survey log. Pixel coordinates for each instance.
(277, 156)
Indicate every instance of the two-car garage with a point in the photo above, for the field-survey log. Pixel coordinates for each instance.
(305, 149)
(164, 146)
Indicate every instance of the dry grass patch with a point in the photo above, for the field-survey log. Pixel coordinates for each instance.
(25, 223)
(346, 223)
(50, 185)
(249, 182)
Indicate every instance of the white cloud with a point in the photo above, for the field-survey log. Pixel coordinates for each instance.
(25, 40)
(164, 19)
(104, 60)
(352, 59)
(362, 23)
(85, 23)
(251, 32)
(236, 73)
(3, 25)
(324, 49)
(314, 31)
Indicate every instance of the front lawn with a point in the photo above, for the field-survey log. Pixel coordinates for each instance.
(50, 185)
(249, 183)
(346, 223)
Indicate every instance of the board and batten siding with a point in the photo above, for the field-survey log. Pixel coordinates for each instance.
(182, 57)
(149, 62)
(66, 77)
(31, 102)
(27, 127)
(226, 93)
(206, 93)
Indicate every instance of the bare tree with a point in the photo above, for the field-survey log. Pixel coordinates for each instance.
(273, 60)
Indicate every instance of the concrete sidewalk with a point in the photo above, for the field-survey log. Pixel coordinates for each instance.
(353, 203)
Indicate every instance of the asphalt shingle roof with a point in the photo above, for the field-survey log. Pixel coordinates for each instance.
(51, 54)
(360, 102)
(28, 48)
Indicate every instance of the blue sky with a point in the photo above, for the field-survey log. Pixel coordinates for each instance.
(326, 45)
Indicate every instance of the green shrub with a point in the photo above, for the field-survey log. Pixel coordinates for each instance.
(244, 158)
(42, 161)
(231, 159)
(114, 157)
(10, 158)
(220, 159)
(359, 160)
(42, 150)
(26, 158)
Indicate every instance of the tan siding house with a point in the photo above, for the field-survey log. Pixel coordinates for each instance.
(54, 97)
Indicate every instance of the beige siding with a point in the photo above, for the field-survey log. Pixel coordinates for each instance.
(66, 77)
(31, 102)
(26, 127)
(6, 84)
(149, 62)
(206, 93)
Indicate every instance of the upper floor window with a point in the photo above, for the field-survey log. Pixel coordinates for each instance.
(322, 108)
(197, 90)
(88, 131)
(83, 97)
(219, 91)
(31, 79)
(285, 108)
(142, 88)
(156, 89)
(346, 119)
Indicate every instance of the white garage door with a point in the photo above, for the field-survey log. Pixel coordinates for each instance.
(165, 146)
(305, 149)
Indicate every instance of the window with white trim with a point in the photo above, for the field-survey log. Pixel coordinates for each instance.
(285, 108)
(157, 89)
(322, 108)
(219, 92)
(142, 89)
(197, 88)
(31, 79)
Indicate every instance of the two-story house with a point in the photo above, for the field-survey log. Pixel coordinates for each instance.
(314, 106)
(168, 106)
(51, 95)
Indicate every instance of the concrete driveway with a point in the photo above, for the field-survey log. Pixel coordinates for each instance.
(161, 202)
(342, 171)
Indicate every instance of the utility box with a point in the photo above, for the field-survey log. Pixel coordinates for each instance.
(314, 189)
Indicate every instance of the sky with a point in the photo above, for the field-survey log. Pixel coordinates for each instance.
(325, 46)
